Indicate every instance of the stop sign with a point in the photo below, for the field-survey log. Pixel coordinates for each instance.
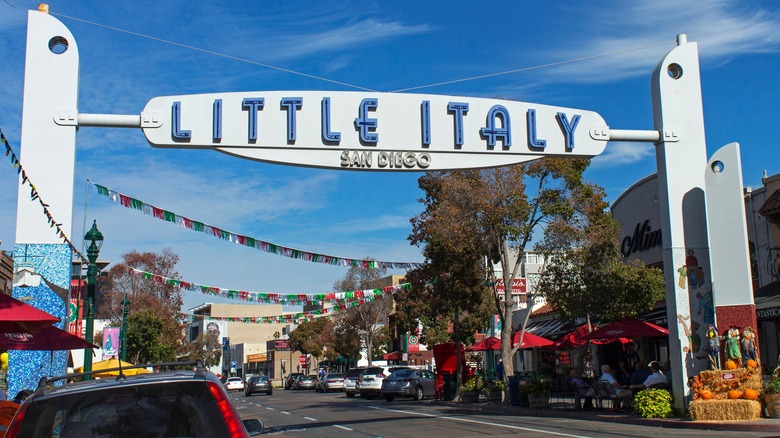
(302, 361)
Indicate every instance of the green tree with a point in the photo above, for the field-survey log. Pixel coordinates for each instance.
(497, 212)
(145, 335)
(369, 318)
(313, 337)
(159, 303)
(206, 347)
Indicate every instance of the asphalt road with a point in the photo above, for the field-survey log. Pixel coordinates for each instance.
(311, 414)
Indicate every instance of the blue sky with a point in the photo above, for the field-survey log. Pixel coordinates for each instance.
(131, 52)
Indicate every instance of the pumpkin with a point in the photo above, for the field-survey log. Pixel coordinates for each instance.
(706, 394)
(735, 394)
(751, 363)
(750, 394)
(731, 365)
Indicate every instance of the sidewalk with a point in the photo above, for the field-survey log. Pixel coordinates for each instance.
(764, 424)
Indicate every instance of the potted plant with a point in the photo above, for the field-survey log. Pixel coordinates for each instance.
(538, 391)
(494, 391)
(469, 392)
(772, 395)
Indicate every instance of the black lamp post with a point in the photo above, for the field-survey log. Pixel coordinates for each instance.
(96, 238)
(123, 335)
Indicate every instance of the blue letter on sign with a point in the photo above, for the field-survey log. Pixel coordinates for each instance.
(426, 122)
(327, 134)
(532, 140)
(216, 120)
(176, 132)
(253, 105)
(491, 132)
(458, 109)
(363, 123)
(292, 104)
(568, 128)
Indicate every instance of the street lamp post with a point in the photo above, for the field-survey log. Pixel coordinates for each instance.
(96, 238)
(123, 335)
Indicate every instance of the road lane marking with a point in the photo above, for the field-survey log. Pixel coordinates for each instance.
(342, 427)
(270, 409)
(285, 413)
(310, 419)
(486, 423)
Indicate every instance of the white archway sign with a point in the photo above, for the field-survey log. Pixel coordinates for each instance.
(402, 132)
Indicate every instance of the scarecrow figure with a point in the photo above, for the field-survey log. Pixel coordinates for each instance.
(713, 346)
(732, 345)
(749, 344)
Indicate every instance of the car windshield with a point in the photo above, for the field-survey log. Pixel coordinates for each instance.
(153, 410)
(354, 372)
(400, 374)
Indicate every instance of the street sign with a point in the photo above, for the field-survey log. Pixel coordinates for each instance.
(302, 361)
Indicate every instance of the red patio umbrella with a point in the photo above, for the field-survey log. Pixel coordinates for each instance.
(627, 328)
(531, 340)
(488, 344)
(48, 339)
(574, 339)
(18, 317)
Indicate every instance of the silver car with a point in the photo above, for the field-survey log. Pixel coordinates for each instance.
(331, 382)
(350, 381)
(369, 383)
(409, 383)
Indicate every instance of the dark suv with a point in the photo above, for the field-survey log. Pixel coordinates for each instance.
(182, 403)
(290, 380)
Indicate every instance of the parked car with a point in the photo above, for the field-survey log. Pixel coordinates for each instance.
(369, 384)
(306, 382)
(258, 384)
(350, 381)
(172, 403)
(331, 382)
(290, 380)
(234, 384)
(409, 383)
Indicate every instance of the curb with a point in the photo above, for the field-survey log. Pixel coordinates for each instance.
(764, 424)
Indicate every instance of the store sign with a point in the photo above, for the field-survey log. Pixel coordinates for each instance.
(518, 286)
(644, 238)
(278, 345)
(372, 131)
(770, 313)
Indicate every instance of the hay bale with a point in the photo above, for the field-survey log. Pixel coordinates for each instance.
(724, 410)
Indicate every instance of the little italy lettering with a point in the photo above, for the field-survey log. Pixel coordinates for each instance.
(380, 131)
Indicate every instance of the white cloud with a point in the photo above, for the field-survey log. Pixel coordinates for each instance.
(620, 154)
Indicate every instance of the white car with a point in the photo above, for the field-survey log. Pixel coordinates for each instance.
(234, 384)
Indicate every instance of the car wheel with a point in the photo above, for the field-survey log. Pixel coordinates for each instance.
(369, 397)
(350, 395)
(247, 394)
(418, 393)
(389, 398)
(269, 393)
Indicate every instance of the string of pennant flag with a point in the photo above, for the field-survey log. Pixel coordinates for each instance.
(288, 318)
(261, 245)
(269, 298)
(35, 196)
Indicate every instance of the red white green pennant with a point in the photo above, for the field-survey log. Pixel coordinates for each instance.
(272, 248)
(270, 298)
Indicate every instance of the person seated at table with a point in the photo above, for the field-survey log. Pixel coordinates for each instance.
(654, 380)
(581, 390)
(638, 376)
(622, 393)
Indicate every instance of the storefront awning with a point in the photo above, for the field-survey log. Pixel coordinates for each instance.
(767, 301)
(396, 355)
(544, 328)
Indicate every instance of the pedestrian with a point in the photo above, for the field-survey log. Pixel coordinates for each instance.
(581, 390)
(640, 374)
(627, 362)
(655, 380)
(622, 393)
(588, 370)
(500, 370)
